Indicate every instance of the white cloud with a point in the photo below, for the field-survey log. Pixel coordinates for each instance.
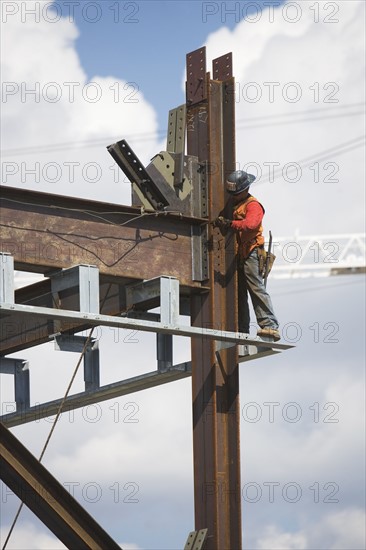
(345, 529)
(40, 540)
(28, 537)
(159, 447)
(66, 108)
(338, 531)
(321, 65)
(274, 539)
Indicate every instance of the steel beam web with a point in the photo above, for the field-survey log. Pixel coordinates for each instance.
(215, 385)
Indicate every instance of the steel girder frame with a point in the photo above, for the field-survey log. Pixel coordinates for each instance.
(48, 499)
(45, 232)
(215, 379)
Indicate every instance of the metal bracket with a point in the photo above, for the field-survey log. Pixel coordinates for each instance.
(176, 142)
(149, 294)
(136, 173)
(196, 74)
(247, 352)
(86, 277)
(64, 342)
(164, 351)
(222, 67)
(196, 540)
(176, 130)
(19, 368)
(6, 278)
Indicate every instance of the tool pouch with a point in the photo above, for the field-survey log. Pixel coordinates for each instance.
(262, 255)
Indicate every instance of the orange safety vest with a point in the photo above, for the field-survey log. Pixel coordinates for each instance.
(247, 240)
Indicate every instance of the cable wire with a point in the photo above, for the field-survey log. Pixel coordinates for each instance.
(59, 411)
(322, 155)
(21, 151)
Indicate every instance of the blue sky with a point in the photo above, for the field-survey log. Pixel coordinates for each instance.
(320, 58)
(146, 42)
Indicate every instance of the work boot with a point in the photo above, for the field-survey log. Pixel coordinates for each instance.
(269, 332)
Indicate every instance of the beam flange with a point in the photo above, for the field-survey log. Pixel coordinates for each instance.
(110, 391)
(94, 319)
(48, 499)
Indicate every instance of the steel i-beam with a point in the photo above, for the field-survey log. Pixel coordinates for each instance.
(48, 499)
(215, 384)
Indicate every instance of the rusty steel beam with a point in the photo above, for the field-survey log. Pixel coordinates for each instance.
(48, 499)
(215, 384)
(46, 232)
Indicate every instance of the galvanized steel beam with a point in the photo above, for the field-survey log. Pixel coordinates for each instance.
(83, 399)
(95, 319)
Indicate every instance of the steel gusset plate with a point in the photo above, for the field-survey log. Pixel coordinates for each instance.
(196, 89)
(222, 67)
(136, 173)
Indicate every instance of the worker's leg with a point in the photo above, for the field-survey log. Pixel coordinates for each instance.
(243, 305)
(261, 300)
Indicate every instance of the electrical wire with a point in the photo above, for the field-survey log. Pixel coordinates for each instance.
(322, 155)
(59, 411)
(153, 135)
(64, 236)
(296, 121)
(93, 213)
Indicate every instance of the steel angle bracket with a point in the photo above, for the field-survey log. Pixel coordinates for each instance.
(189, 196)
(176, 142)
(136, 173)
(176, 130)
(162, 169)
(247, 352)
(19, 368)
(196, 540)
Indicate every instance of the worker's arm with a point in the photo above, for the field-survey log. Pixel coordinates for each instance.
(253, 218)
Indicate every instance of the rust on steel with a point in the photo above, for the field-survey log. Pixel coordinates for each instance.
(45, 232)
(215, 384)
(48, 499)
(22, 332)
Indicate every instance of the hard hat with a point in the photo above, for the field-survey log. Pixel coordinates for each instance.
(238, 181)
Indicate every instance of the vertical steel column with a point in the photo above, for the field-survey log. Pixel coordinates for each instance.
(215, 384)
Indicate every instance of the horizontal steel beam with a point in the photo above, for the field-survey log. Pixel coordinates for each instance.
(47, 232)
(94, 319)
(48, 499)
(110, 391)
(24, 332)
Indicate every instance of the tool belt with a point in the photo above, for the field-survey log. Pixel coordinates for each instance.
(262, 255)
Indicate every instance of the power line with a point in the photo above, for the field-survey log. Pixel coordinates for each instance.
(289, 118)
(282, 122)
(323, 155)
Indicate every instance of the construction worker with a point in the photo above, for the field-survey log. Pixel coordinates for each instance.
(247, 224)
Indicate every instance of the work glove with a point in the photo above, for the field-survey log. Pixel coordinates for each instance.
(222, 223)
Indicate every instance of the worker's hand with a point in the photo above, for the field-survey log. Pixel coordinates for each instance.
(222, 223)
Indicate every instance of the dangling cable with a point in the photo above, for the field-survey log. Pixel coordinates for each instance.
(87, 341)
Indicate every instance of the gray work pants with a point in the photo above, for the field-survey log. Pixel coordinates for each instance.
(250, 281)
